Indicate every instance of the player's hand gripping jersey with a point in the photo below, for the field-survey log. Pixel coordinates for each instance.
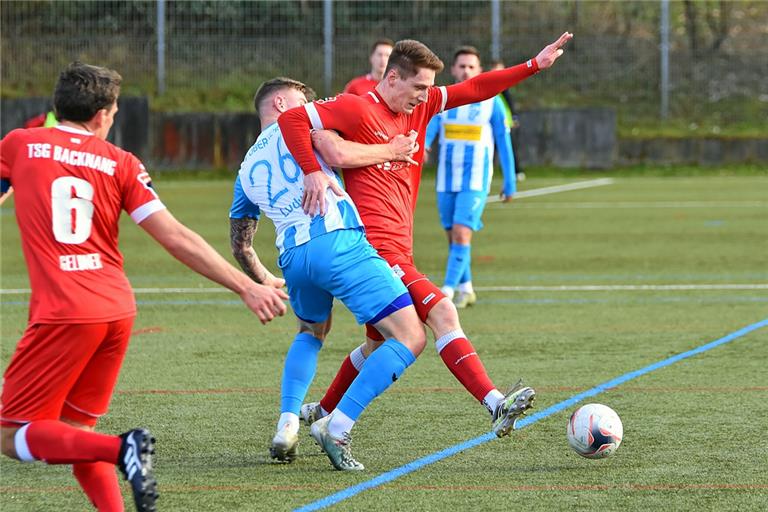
(70, 188)
(385, 194)
(276, 190)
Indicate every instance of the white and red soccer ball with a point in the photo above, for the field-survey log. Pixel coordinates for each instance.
(595, 431)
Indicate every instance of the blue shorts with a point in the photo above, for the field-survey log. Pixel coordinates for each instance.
(463, 208)
(344, 265)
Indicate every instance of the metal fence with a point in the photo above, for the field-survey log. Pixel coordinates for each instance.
(216, 52)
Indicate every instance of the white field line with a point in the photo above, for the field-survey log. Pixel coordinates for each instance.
(562, 288)
(643, 204)
(558, 188)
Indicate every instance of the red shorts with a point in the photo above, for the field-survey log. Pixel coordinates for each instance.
(424, 293)
(64, 371)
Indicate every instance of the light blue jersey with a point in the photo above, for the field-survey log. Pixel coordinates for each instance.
(271, 182)
(467, 137)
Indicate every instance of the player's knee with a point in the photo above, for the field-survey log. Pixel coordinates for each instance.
(7, 442)
(443, 317)
(461, 234)
(414, 336)
(319, 330)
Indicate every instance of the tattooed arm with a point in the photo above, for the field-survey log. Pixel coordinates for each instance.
(241, 232)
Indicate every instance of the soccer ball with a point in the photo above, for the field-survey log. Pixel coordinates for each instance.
(595, 431)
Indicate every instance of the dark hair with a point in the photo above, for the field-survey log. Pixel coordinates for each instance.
(83, 90)
(268, 88)
(466, 50)
(384, 41)
(408, 56)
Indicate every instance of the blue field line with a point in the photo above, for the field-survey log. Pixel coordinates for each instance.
(549, 411)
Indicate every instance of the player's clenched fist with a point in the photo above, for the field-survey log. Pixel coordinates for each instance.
(551, 52)
(403, 146)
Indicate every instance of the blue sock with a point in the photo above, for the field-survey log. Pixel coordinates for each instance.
(458, 259)
(467, 275)
(298, 371)
(382, 368)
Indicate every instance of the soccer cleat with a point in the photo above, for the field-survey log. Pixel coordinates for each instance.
(135, 462)
(511, 407)
(337, 450)
(284, 445)
(310, 412)
(464, 299)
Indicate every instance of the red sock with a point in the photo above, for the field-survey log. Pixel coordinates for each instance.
(338, 387)
(460, 357)
(55, 442)
(99, 481)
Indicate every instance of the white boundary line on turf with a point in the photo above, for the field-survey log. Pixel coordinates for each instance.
(623, 287)
(558, 288)
(595, 205)
(557, 188)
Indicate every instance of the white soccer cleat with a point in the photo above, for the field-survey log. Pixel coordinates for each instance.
(310, 412)
(284, 445)
(464, 299)
(339, 451)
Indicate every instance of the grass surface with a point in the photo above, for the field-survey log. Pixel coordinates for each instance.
(204, 375)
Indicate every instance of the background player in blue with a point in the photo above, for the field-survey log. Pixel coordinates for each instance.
(464, 172)
(322, 257)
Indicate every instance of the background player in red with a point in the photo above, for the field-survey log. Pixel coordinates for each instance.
(71, 186)
(404, 101)
(379, 57)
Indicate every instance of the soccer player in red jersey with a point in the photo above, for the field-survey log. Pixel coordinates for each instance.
(404, 101)
(71, 186)
(380, 52)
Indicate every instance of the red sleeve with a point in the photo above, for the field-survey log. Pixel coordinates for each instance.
(295, 126)
(9, 146)
(488, 85)
(341, 113)
(139, 198)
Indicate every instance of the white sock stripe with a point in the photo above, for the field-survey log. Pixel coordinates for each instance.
(445, 339)
(357, 358)
(20, 443)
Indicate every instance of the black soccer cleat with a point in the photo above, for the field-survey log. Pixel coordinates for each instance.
(135, 463)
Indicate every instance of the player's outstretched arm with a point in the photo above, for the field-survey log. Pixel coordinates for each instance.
(241, 232)
(188, 247)
(489, 84)
(345, 154)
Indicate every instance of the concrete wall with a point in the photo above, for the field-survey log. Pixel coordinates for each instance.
(700, 151)
(583, 138)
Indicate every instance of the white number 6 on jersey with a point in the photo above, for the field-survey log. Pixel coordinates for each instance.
(69, 228)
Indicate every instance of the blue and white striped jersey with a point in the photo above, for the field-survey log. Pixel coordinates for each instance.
(270, 181)
(467, 137)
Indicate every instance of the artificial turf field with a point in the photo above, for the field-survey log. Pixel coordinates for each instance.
(567, 315)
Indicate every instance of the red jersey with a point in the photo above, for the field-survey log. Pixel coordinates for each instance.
(385, 194)
(70, 188)
(361, 85)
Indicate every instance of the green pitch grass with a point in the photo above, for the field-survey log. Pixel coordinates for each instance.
(203, 374)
